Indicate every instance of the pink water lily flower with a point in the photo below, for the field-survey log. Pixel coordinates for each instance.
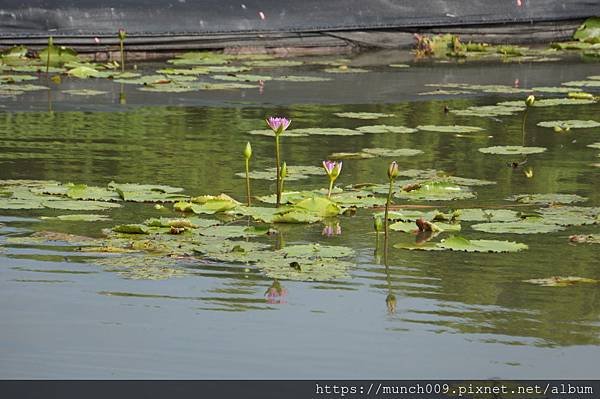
(277, 124)
(332, 168)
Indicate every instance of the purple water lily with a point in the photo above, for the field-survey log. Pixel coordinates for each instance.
(333, 170)
(278, 124)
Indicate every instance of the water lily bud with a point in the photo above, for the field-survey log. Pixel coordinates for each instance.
(393, 170)
(530, 100)
(122, 34)
(248, 151)
(283, 170)
(337, 169)
(378, 223)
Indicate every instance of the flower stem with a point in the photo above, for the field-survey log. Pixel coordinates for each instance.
(523, 126)
(330, 188)
(277, 169)
(248, 180)
(122, 47)
(387, 209)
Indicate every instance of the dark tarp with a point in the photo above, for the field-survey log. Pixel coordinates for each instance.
(27, 18)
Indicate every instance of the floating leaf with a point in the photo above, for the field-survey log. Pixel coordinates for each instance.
(595, 145)
(15, 203)
(305, 269)
(345, 69)
(350, 155)
(526, 226)
(489, 215)
(385, 152)
(436, 191)
(273, 63)
(295, 78)
(79, 205)
(511, 150)
(570, 215)
(570, 124)
(141, 267)
(327, 131)
(84, 92)
(319, 206)
(588, 31)
(85, 192)
(269, 132)
(411, 227)
(316, 251)
(362, 115)
(457, 243)
(80, 218)
(546, 199)
(242, 78)
(385, 129)
(450, 129)
(131, 229)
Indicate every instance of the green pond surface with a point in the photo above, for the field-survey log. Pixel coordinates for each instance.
(456, 314)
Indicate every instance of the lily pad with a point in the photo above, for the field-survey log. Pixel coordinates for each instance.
(570, 124)
(84, 92)
(345, 69)
(489, 215)
(297, 78)
(436, 191)
(327, 131)
(385, 152)
(450, 129)
(273, 63)
(305, 269)
(350, 155)
(546, 199)
(362, 115)
(269, 132)
(242, 78)
(512, 150)
(80, 218)
(385, 129)
(595, 145)
(85, 192)
(457, 243)
(570, 215)
(131, 229)
(316, 251)
(79, 205)
(411, 227)
(526, 226)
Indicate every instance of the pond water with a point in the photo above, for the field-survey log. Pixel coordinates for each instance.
(456, 314)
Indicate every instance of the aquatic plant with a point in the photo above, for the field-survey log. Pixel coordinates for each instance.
(122, 35)
(278, 125)
(333, 170)
(282, 175)
(392, 174)
(247, 156)
(50, 45)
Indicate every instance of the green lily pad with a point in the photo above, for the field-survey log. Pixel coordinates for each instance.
(411, 227)
(242, 78)
(316, 250)
(362, 115)
(79, 205)
(546, 199)
(48, 237)
(554, 89)
(131, 229)
(59, 55)
(273, 63)
(79, 218)
(551, 102)
(318, 206)
(385, 129)
(399, 65)
(233, 231)
(201, 58)
(85, 72)
(385, 152)
(558, 281)
(85, 192)
(327, 131)
(350, 155)
(16, 203)
(225, 86)
(436, 191)
(141, 267)
(297, 78)
(16, 78)
(450, 129)
(296, 216)
(570, 215)
(147, 193)
(571, 124)
(511, 150)
(526, 226)
(305, 269)
(489, 215)
(457, 243)
(84, 92)
(488, 111)
(595, 145)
